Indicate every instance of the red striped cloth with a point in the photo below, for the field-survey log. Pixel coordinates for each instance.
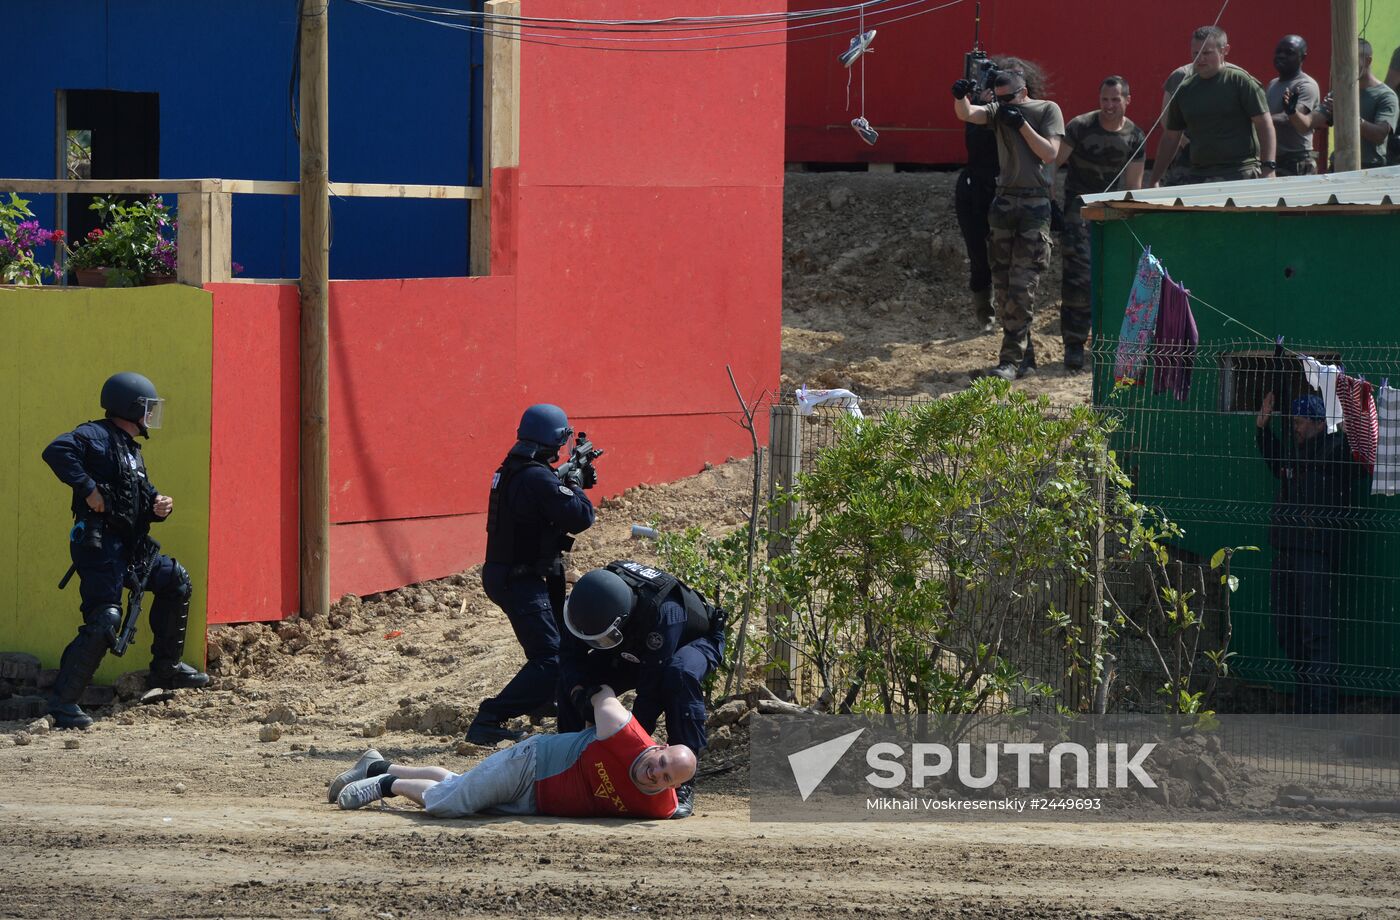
(1359, 416)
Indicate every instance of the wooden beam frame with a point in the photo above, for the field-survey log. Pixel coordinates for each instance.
(500, 135)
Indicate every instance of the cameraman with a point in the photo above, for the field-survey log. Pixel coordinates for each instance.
(1028, 133)
(530, 516)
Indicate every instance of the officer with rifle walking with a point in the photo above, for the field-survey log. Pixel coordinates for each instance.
(532, 514)
(633, 626)
(114, 506)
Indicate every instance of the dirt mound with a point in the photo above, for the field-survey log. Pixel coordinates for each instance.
(875, 294)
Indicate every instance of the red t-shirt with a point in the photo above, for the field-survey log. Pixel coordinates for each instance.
(598, 783)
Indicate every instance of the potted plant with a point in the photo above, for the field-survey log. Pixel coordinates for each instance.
(20, 235)
(135, 245)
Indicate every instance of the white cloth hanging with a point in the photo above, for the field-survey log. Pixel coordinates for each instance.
(1324, 377)
(807, 400)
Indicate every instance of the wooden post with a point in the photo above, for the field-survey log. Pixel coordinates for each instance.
(205, 237)
(784, 463)
(315, 311)
(500, 134)
(1346, 87)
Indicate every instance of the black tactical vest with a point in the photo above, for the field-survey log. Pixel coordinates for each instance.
(653, 587)
(502, 539)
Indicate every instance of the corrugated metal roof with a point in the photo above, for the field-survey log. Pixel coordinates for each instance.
(1365, 187)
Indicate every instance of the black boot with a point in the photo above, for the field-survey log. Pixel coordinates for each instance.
(170, 614)
(78, 664)
(490, 734)
(685, 800)
(1074, 356)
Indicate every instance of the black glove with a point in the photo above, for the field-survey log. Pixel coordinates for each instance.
(719, 620)
(1011, 116)
(962, 88)
(572, 477)
(1290, 101)
(579, 698)
(588, 477)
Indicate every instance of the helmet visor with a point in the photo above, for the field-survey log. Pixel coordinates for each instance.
(152, 411)
(610, 637)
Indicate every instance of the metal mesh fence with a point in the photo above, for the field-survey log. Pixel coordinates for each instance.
(1313, 619)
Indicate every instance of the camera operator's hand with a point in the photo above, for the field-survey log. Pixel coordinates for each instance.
(1011, 116)
(96, 502)
(588, 477)
(961, 88)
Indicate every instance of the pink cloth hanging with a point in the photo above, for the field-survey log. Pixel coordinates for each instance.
(1175, 353)
(1359, 416)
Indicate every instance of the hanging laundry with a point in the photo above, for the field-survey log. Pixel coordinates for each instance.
(1323, 377)
(1387, 477)
(1177, 338)
(1139, 320)
(1359, 416)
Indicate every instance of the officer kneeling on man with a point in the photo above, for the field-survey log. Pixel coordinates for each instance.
(114, 506)
(632, 626)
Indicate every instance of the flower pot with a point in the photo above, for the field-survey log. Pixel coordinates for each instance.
(90, 277)
(158, 279)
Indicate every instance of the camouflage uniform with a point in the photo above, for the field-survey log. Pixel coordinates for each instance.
(1020, 251)
(1019, 241)
(1099, 157)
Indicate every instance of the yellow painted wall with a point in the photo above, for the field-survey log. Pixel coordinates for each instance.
(56, 348)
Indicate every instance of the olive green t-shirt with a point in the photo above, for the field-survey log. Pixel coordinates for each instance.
(1380, 106)
(1216, 114)
(1020, 167)
(1099, 154)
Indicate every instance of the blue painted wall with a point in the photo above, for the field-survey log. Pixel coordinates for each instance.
(405, 107)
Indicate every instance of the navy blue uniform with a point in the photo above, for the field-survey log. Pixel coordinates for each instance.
(99, 454)
(524, 575)
(1307, 530)
(659, 660)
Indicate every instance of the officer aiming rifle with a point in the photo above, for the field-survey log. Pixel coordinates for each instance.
(578, 469)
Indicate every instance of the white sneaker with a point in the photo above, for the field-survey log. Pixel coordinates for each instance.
(359, 771)
(360, 793)
(859, 44)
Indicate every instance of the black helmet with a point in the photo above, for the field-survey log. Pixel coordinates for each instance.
(598, 607)
(545, 425)
(130, 396)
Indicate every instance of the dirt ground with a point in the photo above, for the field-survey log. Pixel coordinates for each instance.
(212, 804)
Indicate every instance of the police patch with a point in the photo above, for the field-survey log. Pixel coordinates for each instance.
(654, 641)
(565, 490)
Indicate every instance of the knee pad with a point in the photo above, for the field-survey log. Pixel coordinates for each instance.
(180, 581)
(103, 622)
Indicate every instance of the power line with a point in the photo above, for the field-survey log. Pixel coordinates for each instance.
(583, 41)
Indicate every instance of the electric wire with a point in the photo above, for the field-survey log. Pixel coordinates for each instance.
(582, 42)
(668, 22)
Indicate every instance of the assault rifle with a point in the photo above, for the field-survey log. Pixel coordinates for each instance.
(138, 574)
(579, 467)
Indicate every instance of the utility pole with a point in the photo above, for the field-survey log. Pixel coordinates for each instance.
(1346, 88)
(315, 556)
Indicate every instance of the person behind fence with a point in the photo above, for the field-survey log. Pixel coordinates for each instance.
(1028, 134)
(633, 626)
(1225, 113)
(114, 505)
(1315, 475)
(972, 202)
(531, 517)
(612, 769)
(1099, 146)
(1287, 93)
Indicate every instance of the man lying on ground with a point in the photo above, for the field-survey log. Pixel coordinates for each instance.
(613, 769)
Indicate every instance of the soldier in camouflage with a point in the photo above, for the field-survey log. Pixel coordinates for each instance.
(1099, 146)
(1028, 139)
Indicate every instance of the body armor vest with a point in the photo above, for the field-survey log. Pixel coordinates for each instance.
(653, 587)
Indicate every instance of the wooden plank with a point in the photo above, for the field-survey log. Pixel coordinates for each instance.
(218, 260)
(390, 190)
(192, 238)
(315, 560)
(500, 135)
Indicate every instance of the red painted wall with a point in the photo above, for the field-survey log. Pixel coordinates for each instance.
(635, 251)
(1079, 42)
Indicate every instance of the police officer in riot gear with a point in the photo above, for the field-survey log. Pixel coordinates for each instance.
(114, 506)
(633, 626)
(530, 518)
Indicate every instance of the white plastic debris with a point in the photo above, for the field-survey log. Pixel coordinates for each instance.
(808, 399)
